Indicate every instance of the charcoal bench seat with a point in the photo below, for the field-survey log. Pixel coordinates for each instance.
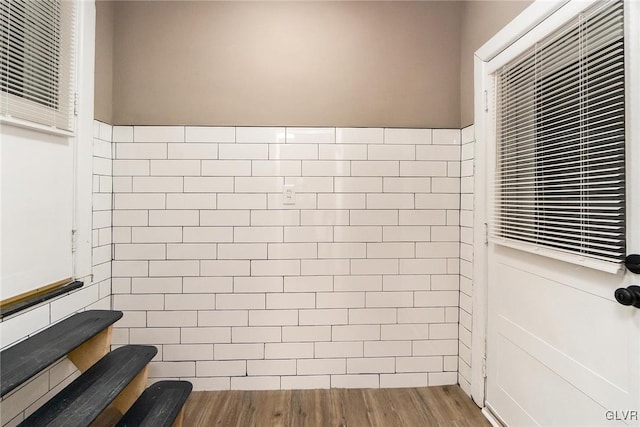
(158, 406)
(27, 358)
(79, 403)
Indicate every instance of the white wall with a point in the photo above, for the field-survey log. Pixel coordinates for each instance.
(354, 286)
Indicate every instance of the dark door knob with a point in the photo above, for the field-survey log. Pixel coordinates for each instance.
(632, 262)
(629, 296)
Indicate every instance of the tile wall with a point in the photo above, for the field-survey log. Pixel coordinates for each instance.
(356, 284)
(95, 294)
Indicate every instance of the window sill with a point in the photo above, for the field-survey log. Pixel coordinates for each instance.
(34, 126)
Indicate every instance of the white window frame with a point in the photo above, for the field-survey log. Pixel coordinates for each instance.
(534, 23)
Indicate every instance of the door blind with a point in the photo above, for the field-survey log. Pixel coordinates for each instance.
(37, 52)
(560, 132)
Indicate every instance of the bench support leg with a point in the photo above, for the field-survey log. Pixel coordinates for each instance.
(179, 418)
(91, 351)
(128, 396)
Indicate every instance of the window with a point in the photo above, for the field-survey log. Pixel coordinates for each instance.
(37, 61)
(560, 177)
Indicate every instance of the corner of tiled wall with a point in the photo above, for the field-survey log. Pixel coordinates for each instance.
(466, 257)
(95, 294)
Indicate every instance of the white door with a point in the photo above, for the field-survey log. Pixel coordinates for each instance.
(560, 349)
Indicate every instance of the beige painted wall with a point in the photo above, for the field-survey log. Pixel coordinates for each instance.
(481, 20)
(390, 64)
(103, 108)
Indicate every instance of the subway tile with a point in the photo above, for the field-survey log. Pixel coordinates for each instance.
(405, 332)
(419, 364)
(438, 152)
(172, 218)
(406, 282)
(390, 250)
(443, 331)
(358, 234)
(436, 298)
(468, 134)
(423, 168)
(292, 251)
(187, 352)
(403, 380)
(158, 134)
(407, 185)
(207, 285)
(325, 217)
(308, 234)
(435, 347)
(445, 185)
(164, 319)
(340, 299)
(308, 283)
(226, 168)
(293, 152)
(325, 168)
(221, 368)
(358, 283)
(437, 249)
(260, 134)
(131, 167)
(342, 152)
(175, 167)
(342, 250)
(210, 134)
(226, 218)
(293, 350)
(122, 133)
(191, 201)
(341, 201)
(210, 383)
(437, 201)
(423, 266)
(156, 234)
(446, 136)
(141, 151)
(242, 201)
(238, 351)
(276, 167)
(406, 233)
(358, 185)
(389, 299)
(359, 135)
(121, 234)
(191, 251)
(123, 184)
(243, 151)
(258, 185)
(374, 266)
(338, 349)
(445, 233)
(371, 316)
(130, 268)
(321, 366)
(154, 336)
(355, 333)
(422, 217)
(257, 234)
(198, 151)
(174, 268)
(271, 367)
(450, 282)
(387, 348)
(242, 251)
(207, 234)
(375, 168)
(306, 333)
(138, 302)
(139, 201)
(280, 301)
(371, 365)
(139, 251)
(407, 136)
(310, 135)
(225, 268)
(421, 315)
(220, 317)
(274, 217)
(275, 268)
(154, 184)
(273, 317)
(392, 152)
(240, 301)
(323, 317)
(257, 284)
(255, 334)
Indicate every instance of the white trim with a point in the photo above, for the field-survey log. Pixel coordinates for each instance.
(632, 149)
(11, 121)
(491, 417)
(83, 144)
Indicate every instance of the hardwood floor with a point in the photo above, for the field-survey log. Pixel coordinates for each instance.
(445, 406)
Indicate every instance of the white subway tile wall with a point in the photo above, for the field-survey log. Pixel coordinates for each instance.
(466, 257)
(95, 294)
(352, 285)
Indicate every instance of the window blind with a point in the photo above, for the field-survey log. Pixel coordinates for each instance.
(560, 133)
(37, 54)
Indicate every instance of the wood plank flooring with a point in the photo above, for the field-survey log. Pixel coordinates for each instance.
(445, 406)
